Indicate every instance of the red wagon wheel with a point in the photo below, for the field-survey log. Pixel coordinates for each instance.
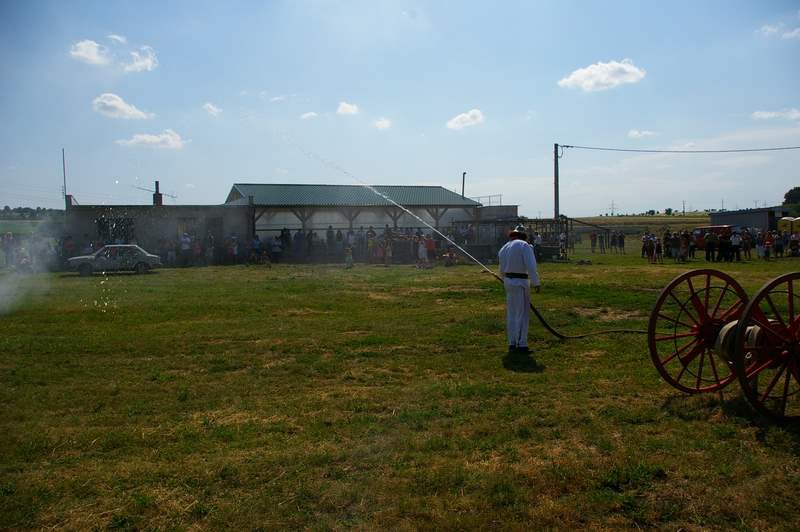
(768, 348)
(685, 325)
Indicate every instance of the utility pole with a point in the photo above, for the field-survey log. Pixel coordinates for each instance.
(612, 207)
(684, 207)
(64, 175)
(555, 181)
(463, 179)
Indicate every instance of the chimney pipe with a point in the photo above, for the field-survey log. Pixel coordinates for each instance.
(158, 199)
(463, 179)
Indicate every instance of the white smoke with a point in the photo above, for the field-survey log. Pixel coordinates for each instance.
(18, 288)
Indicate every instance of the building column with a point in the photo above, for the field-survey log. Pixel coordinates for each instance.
(304, 215)
(351, 213)
(395, 214)
(436, 213)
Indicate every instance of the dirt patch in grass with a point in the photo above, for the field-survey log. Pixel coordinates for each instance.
(443, 289)
(606, 314)
(305, 311)
(381, 297)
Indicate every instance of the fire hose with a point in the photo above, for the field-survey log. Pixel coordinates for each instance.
(562, 336)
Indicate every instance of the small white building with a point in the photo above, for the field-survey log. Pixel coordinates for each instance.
(277, 206)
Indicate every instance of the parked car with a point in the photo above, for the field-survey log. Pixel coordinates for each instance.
(115, 258)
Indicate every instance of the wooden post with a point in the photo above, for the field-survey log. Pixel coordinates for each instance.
(555, 180)
(395, 214)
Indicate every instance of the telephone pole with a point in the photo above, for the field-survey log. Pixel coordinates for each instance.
(684, 207)
(64, 175)
(555, 181)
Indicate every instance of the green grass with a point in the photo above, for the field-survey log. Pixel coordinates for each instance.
(319, 397)
(19, 227)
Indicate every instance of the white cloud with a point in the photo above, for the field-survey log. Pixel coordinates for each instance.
(211, 109)
(120, 39)
(794, 34)
(90, 52)
(144, 60)
(785, 114)
(308, 116)
(470, 118)
(168, 139)
(769, 29)
(603, 76)
(640, 133)
(347, 109)
(277, 98)
(382, 123)
(112, 106)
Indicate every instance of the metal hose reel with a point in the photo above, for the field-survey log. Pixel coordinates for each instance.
(704, 333)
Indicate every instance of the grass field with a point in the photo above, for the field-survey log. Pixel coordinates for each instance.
(251, 398)
(19, 227)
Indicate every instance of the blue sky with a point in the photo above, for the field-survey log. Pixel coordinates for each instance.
(204, 94)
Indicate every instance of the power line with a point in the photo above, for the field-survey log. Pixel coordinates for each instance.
(782, 148)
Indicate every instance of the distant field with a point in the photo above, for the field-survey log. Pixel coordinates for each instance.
(317, 397)
(656, 224)
(24, 227)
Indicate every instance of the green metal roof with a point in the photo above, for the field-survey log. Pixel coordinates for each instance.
(286, 195)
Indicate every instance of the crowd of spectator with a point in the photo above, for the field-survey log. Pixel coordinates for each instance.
(682, 246)
(29, 252)
(368, 245)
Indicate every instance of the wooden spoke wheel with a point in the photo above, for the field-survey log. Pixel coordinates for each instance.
(685, 326)
(767, 348)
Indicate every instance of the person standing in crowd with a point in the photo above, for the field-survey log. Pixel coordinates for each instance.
(186, 249)
(621, 242)
(387, 251)
(593, 242)
(711, 245)
(422, 252)
(769, 244)
(658, 250)
(723, 247)
(613, 242)
(371, 237)
(778, 245)
(430, 247)
(736, 246)
(298, 244)
(276, 249)
(747, 244)
(339, 245)
(519, 272)
(310, 243)
(537, 245)
(348, 257)
(602, 241)
(760, 245)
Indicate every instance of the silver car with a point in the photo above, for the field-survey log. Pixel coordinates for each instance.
(115, 258)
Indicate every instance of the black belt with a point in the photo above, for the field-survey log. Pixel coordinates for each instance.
(517, 275)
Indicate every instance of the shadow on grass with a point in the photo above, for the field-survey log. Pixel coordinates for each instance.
(522, 363)
(777, 434)
(76, 275)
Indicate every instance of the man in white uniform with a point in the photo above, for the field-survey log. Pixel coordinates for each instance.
(518, 269)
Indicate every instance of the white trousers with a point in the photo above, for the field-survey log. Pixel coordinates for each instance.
(518, 309)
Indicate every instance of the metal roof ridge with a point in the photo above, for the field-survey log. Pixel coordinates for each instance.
(335, 185)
